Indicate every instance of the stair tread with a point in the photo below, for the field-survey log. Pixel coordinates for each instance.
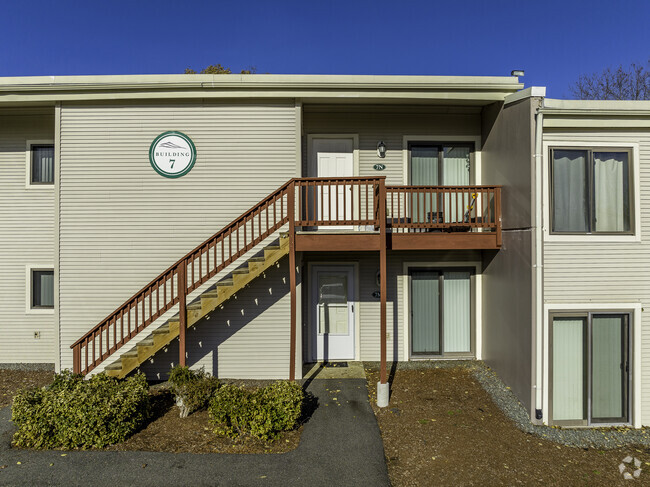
(252, 266)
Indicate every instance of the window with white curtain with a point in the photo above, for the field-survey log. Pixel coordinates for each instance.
(42, 288)
(591, 191)
(42, 164)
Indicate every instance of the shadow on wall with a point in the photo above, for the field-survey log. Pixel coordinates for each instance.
(250, 333)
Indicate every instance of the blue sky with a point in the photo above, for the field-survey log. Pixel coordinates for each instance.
(553, 41)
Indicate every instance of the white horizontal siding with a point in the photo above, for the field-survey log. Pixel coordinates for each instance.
(26, 238)
(584, 272)
(122, 224)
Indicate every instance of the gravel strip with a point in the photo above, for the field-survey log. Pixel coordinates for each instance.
(504, 398)
(27, 367)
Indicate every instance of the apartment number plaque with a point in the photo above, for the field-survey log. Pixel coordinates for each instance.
(172, 154)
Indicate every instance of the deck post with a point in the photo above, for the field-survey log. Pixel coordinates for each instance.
(497, 215)
(182, 311)
(383, 386)
(291, 209)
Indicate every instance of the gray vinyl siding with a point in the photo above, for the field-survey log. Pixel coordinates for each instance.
(584, 272)
(369, 306)
(390, 125)
(27, 223)
(122, 224)
(506, 158)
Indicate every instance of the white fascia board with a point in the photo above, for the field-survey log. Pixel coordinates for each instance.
(532, 91)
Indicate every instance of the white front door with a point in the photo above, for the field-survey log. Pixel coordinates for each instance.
(333, 158)
(333, 320)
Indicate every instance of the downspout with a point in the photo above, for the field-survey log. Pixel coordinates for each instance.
(538, 265)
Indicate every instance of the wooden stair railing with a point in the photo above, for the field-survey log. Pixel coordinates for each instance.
(183, 277)
(304, 202)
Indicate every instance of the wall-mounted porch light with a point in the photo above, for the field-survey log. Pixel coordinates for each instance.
(381, 149)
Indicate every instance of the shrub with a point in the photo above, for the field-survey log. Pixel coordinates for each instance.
(192, 389)
(77, 413)
(263, 413)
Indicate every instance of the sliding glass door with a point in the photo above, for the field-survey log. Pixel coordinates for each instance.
(441, 312)
(590, 369)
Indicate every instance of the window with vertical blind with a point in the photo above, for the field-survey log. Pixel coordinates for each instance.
(42, 164)
(441, 311)
(591, 191)
(590, 370)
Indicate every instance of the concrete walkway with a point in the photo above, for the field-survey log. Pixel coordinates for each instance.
(340, 445)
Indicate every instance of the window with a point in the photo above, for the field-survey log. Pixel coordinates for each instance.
(42, 288)
(591, 191)
(42, 164)
(590, 368)
(441, 312)
(439, 164)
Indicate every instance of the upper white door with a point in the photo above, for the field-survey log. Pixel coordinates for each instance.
(333, 312)
(333, 158)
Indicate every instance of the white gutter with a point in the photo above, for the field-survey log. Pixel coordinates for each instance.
(538, 263)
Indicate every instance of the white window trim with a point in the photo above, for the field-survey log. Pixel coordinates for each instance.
(441, 139)
(28, 165)
(478, 303)
(591, 237)
(29, 268)
(357, 309)
(635, 310)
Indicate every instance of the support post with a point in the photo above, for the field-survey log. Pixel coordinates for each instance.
(383, 387)
(182, 311)
(76, 359)
(497, 215)
(291, 213)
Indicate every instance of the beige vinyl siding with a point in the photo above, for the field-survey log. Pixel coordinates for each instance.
(599, 272)
(122, 223)
(247, 338)
(390, 124)
(369, 306)
(27, 223)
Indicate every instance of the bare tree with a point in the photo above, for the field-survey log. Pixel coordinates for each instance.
(620, 83)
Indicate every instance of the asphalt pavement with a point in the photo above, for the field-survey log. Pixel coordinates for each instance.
(340, 446)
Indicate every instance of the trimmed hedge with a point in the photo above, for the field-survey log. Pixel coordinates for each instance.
(192, 389)
(262, 413)
(77, 413)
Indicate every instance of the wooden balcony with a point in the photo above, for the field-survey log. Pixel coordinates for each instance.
(345, 215)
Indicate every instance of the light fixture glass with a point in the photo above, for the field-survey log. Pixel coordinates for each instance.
(517, 72)
(381, 149)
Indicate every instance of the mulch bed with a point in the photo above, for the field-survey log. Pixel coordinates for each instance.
(13, 380)
(166, 431)
(442, 428)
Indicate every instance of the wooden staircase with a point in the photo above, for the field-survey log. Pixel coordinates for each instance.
(206, 303)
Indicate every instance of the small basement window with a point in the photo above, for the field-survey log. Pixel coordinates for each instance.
(42, 164)
(42, 288)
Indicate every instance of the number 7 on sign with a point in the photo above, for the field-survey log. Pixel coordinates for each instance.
(172, 161)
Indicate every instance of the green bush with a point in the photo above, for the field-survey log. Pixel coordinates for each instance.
(263, 413)
(192, 389)
(77, 413)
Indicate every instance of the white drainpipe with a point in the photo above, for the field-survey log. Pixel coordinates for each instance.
(538, 264)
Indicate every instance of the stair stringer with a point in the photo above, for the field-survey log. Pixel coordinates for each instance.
(207, 302)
